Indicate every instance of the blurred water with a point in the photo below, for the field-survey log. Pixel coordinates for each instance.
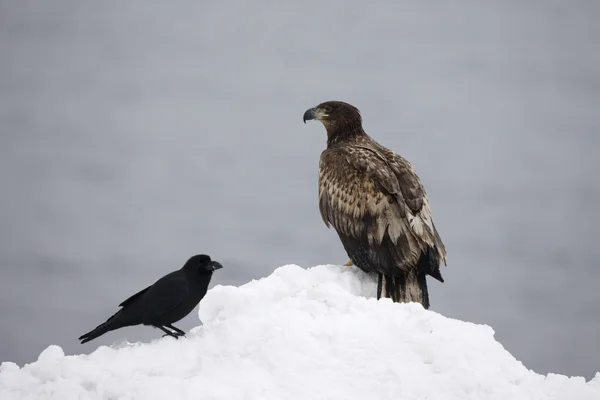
(135, 134)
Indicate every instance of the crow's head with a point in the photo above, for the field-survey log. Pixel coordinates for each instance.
(202, 263)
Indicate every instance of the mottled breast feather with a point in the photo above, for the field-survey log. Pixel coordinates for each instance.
(366, 191)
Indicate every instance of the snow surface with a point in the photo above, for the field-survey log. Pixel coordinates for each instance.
(314, 333)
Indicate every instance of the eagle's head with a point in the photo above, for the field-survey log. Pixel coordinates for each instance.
(334, 113)
(341, 120)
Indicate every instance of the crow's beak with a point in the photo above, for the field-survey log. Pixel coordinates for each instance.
(309, 114)
(214, 265)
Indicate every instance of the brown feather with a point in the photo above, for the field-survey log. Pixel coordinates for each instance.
(355, 181)
(375, 201)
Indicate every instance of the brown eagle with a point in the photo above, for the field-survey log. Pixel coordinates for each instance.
(374, 200)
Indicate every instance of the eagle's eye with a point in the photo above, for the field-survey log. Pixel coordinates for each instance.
(327, 109)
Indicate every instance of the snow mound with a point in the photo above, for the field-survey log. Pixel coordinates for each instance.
(313, 333)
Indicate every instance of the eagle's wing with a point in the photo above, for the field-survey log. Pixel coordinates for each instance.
(414, 195)
(365, 192)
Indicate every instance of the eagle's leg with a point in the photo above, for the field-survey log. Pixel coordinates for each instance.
(349, 263)
(379, 285)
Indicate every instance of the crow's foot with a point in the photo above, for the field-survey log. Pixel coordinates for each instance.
(175, 335)
(177, 330)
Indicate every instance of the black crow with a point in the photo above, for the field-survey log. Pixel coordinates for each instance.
(167, 301)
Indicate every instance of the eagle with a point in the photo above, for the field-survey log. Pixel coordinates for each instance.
(376, 203)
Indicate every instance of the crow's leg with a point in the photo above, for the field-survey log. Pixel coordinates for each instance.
(379, 285)
(177, 330)
(167, 332)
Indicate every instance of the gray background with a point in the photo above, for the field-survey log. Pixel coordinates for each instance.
(135, 134)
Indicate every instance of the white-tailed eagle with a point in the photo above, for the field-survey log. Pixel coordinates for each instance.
(374, 200)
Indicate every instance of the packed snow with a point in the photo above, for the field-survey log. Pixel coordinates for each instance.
(314, 333)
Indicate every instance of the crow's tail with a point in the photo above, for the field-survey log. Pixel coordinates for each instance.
(110, 325)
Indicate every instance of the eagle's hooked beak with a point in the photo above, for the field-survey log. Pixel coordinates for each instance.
(309, 114)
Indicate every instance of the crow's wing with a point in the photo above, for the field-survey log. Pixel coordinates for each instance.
(133, 298)
(165, 295)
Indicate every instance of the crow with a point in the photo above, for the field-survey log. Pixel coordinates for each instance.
(167, 301)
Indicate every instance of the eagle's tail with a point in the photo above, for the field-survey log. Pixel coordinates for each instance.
(407, 287)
